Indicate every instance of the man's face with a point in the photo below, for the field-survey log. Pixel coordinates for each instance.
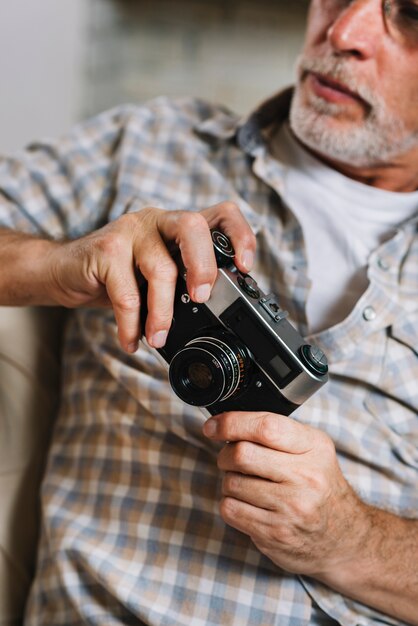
(356, 99)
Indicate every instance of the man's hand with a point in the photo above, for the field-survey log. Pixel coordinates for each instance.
(100, 269)
(284, 488)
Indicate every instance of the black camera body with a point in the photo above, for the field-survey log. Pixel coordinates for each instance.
(238, 351)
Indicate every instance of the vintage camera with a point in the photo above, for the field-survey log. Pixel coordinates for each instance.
(238, 351)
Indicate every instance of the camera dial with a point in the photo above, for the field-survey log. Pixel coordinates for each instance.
(223, 248)
(210, 369)
(314, 358)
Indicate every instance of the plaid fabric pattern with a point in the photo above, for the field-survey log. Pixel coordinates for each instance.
(131, 529)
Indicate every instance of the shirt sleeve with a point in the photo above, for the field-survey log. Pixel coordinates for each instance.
(66, 188)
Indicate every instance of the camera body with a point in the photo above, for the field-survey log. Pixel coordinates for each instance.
(238, 351)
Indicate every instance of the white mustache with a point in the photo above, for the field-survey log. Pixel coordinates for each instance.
(338, 70)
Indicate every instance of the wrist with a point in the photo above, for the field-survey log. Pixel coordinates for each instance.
(31, 281)
(381, 571)
(363, 551)
(47, 272)
(349, 561)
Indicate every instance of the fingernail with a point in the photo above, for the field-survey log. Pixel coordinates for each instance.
(202, 293)
(158, 339)
(210, 427)
(247, 259)
(133, 347)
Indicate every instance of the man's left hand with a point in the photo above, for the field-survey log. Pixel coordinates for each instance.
(284, 488)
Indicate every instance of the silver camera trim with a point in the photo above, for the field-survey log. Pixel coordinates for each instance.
(225, 291)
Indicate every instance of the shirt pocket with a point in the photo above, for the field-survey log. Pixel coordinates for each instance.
(394, 399)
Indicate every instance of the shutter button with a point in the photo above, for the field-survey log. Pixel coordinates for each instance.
(249, 285)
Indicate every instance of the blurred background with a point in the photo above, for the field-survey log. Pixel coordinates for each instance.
(63, 61)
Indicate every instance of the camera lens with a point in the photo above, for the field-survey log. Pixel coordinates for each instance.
(200, 375)
(210, 369)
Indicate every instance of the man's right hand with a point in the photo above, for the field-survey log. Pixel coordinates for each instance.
(99, 269)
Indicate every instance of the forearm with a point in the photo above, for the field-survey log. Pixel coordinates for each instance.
(25, 277)
(383, 571)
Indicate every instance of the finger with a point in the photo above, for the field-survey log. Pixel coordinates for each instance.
(192, 235)
(160, 271)
(251, 459)
(123, 291)
(261, 493)
(271, 430)
(228, 218)
(247, 518)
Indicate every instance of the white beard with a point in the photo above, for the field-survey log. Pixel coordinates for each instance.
(378, 139)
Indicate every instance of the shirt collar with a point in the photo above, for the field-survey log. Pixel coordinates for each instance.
(249, 131)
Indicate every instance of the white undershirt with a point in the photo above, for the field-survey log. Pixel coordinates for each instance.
(342, 221)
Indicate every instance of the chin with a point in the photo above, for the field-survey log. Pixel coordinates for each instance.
(326, 129)
(324, 134)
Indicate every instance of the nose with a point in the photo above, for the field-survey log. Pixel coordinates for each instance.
(357, 29)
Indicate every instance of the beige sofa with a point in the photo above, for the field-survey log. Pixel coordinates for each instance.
(29, 380)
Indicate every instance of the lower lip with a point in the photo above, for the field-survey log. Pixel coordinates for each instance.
(332, 94)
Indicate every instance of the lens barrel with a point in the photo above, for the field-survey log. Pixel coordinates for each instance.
(210, 369)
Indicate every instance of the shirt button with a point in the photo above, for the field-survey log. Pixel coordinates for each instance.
(383, 264)
(369, 314)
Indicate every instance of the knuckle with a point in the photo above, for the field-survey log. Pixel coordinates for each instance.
(166, 270)
(227, 425)
(280, 534)
(141, 223)
(230, 483)
(126, 219)
(243, 454)
(307, 514)
(230, 206)
(159, 267)
(189, 221)
(111, 244)
(143, 211)
(227, 509)
(128, 222)
(325, 444)
(316, 486)
(129, 301)
(267, 427)
(141, 214)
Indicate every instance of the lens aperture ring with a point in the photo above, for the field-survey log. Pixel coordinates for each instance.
(208, 370)
(228, 360)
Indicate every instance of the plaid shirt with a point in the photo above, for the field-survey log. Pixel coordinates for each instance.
(131, 528)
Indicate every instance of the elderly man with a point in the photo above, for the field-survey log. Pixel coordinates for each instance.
(149, 517)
